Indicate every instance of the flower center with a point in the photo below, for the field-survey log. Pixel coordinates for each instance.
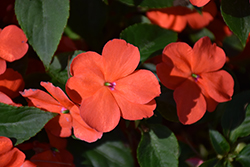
(64, 110)
(195, 76)
(111, 85)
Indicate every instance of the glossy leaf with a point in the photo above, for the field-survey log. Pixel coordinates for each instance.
(243, 130)
(110, 154)
(243, 156)
(158, 147)
(234, 113)
(148, 38)
(149, 3)
(220, 145)
(22, 123)
(43, 22)
(237, 16)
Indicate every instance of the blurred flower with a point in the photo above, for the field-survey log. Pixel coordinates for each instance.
(177, 17)
(199, 3)
(194, 162)
(68, 117)
(9, 156)
(107, 87)
(195, 77)
(13, 45)
(48, 156)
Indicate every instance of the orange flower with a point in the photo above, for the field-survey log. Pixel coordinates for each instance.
(195, 77)
(13, 45)
(108, 87)
(62, 124)
(199, 3)
(9, 156)
(176, 18)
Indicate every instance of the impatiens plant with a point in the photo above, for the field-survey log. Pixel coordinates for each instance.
(124, 83)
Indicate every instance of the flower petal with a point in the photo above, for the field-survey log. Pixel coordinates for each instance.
(169, 18)
(207, 57)
(218, 85)
(101, 111)
(28, 163)
(2, 66)
(5, 144)
(11, 82)
(81, 129)
(139, 87)
(58, 94)
(7, 100)
(121, 59)
(176, 66)
(199, 3)
(134, 111)
(79, 88)
(88, 63)
(60, 125)
(13, 44)
(191, 105)
(12, 158)
(197, 21)
(42, 100)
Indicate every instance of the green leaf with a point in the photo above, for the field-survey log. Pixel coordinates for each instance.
(149, 3)
(110, 154)
(148, 38)
(243, 156)
(158, 147)
(234, 113)
(43, 22)
(237, 16)
(243, 130)
(220, 145)
(22, 123)
(210, 163)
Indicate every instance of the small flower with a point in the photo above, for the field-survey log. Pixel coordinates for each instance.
(195, 77)
(107, 87)
(68, 113)
(10, 156)
(13, 45)
(176, 18)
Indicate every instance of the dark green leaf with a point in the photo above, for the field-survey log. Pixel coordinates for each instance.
(22, 123)
(244, 156)
(237, 16)
(148, 38)
(234, 113)
(43, 22)
(110, 154)
(158, 147)
(220, 145)
(210, 163)
(243, 130)
(202, 33)
(149, 3)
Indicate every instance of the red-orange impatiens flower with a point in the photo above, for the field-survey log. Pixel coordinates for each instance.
(107, 87)
(13, 45)
(195, 77)
(69, 114)
(177, 17)
(199, 3)
(9, 156)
